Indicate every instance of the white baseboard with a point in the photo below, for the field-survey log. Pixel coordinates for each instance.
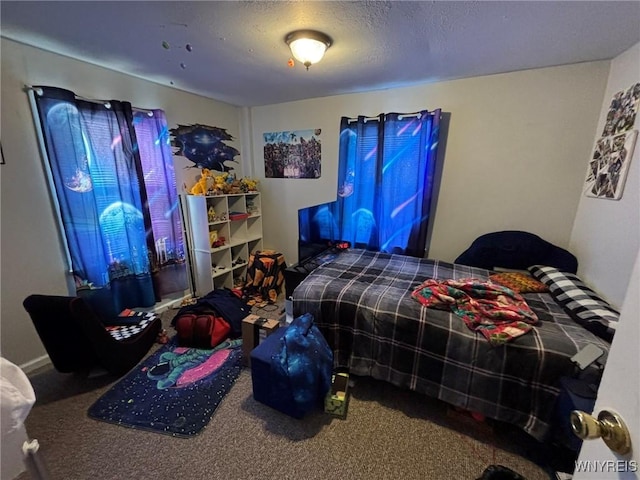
(35, 364)
(170, 302)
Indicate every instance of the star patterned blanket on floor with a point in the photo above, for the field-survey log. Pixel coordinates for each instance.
(174, 391)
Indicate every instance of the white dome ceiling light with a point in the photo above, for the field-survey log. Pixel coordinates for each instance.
(308, 46)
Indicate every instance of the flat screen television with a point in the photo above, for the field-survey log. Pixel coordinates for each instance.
(317, 229)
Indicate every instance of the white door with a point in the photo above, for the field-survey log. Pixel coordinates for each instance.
(619, 391)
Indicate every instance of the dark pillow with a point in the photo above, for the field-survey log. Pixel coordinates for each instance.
(515, 249)
(581, 303)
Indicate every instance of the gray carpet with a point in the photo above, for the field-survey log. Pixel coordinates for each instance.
(388, 434)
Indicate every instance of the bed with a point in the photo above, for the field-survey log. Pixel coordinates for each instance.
(361, 301)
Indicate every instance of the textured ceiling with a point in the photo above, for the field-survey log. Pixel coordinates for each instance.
(238, 54)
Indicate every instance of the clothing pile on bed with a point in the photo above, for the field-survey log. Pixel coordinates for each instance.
(497, 312)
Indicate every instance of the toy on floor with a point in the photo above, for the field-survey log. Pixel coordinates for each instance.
(163, 337)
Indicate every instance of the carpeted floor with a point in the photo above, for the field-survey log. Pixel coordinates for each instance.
(388, 433)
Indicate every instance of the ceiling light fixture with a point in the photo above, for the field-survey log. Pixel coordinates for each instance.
(308, 46)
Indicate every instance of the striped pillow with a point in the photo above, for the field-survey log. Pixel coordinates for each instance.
(581, 303)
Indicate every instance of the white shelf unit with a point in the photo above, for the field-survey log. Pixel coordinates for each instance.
(221, 266)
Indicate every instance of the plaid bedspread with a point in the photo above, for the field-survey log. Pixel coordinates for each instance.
(361, 302)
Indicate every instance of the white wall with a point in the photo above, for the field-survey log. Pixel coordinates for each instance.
(515, 152)
(31, 255)
(606, 233)
(516, 158)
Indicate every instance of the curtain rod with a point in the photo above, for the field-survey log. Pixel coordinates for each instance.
(38, 91)
(400, 116)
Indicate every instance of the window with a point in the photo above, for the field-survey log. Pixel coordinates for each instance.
(385, 180)
(112, 175)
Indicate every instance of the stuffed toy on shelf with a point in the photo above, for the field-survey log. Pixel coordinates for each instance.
(204, 183)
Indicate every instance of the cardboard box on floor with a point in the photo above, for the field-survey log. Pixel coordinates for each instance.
(337, 400)
(254, 330)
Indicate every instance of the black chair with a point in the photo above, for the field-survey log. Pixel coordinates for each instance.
(516, 250)
(76, 339)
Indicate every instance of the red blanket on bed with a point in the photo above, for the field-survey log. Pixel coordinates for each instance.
(497, 312)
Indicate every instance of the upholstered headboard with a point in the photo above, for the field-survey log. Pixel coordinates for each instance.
(516, 250)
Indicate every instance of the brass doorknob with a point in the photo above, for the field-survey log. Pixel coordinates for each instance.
(608, 426)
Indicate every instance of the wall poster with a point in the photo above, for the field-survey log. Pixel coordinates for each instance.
(292, 154)
(612, 153)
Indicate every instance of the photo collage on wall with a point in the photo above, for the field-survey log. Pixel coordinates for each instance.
(292, 154)
(612, 153)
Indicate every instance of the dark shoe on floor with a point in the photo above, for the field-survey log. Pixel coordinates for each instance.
(499, 472)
